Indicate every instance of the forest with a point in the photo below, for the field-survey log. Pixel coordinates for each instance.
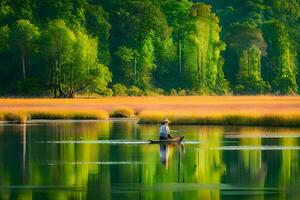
(61, 48)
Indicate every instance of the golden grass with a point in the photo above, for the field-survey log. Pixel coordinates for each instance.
(122, 112)
(138, 104)
(291, 119)
(69, 114)
(220, 110)
(25, 115)
(19, 117)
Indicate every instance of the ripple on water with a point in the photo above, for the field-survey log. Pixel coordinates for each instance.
(266, 135)
(96, 142)
(263, 148)
(182, 187)
(96, 163)
(124, 142)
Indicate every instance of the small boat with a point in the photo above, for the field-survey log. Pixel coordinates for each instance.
(169, 140)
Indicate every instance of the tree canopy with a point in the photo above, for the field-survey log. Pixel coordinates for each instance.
(149, 47)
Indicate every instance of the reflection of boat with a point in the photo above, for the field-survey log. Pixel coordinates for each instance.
(169, 140)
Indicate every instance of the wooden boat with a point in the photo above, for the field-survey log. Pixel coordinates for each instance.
(169, 140)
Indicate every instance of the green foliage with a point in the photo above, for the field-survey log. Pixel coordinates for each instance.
(203, 51)
(119, 90)
(154, 92)
(249, 78)
(281, 63)
(134, 91)
(98, 25)
(23, 36)
(126, 60)
(144, 45)
(73, 60)
(4, 38)
(146, 64)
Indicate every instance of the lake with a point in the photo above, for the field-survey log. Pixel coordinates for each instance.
(113, 160)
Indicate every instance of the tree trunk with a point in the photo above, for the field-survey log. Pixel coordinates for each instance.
(198, 63)
(55, 80)
(23, 67)
(62, 93)
(135, 71)
(179, 52)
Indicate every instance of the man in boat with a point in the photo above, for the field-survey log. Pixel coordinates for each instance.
(164, 130)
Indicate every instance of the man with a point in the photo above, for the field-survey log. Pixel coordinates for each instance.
(164, 130)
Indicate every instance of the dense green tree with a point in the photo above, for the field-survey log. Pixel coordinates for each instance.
(85, 71)
(143, 28)
(202, 50)
(58, 40)
(23, 36)
(74, 61)
(6, 11)
(97, 24)
(249, 80)
(281, 62)
(4, 46)
(126, 58)
(146, 62)
(4, 38)
(183, 47)
(248, 46)
(178, 15)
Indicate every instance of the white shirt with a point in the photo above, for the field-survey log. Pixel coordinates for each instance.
(164, 131)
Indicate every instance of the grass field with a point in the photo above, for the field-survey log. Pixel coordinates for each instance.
(227, 110)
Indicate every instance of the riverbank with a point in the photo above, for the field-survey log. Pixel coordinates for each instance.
(216, 110)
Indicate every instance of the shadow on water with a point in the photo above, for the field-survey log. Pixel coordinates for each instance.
(113, 160)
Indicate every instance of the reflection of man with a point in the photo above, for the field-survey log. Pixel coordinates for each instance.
(164, 154)
(165, 150)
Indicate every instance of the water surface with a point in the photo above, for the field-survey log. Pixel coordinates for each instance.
(113, 160)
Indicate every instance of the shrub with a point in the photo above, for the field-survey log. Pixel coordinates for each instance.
(154, 92)
(119, 90)
(134, 91)
(173, 92)
(108, 92)
(182, 92)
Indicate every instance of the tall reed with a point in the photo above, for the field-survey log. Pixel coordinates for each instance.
(69, 114)
(24, 116)
(234, 119)
(18, 117)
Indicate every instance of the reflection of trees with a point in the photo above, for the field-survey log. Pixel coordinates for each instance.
(289, 169)
(56, 164)
(10, 158)
(254, 170)
(208, 164)
(68, 165)
(252, 159)
(246, 166)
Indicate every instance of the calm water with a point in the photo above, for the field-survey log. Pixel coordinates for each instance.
(113, 160)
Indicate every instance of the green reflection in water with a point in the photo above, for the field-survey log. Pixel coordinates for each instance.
(252, 160)
(62, 160)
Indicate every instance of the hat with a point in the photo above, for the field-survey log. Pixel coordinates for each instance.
(166, 121)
